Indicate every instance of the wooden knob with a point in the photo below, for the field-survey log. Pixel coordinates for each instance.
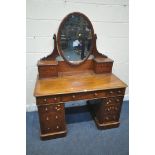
(95, 94)
(58, 109)
(73, 96)
(107, 118)
(117, 100)
(119, 91)
(110, 100)
(111, 92)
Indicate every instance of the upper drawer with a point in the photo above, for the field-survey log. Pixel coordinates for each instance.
(115, 92)
(83, 96)
(77, 96)
(80, 96)
(48, 99)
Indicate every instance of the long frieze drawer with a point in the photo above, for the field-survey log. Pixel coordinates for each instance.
(76, 96)
(115, 92)
(82, 96)
(93, 95)
(48, 99)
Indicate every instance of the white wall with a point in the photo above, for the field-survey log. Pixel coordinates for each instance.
(110, 22)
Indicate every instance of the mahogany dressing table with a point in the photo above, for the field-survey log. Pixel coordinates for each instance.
(75, 70)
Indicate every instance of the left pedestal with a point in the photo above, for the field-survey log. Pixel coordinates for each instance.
(52, 120)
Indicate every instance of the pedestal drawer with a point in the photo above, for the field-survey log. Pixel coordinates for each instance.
(47, 100)
(59, 107)
(115, 92)
(113, 100)
(110, 118)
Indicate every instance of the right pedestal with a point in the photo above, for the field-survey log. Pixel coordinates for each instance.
(106, 111)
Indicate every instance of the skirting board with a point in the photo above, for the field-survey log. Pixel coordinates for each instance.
(33, 107)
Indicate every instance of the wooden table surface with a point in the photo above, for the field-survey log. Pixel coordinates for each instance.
(77, 83)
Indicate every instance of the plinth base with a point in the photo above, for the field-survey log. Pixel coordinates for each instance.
(108, 125)
(53, 135)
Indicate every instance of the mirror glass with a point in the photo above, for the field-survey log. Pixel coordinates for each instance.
(76, 35)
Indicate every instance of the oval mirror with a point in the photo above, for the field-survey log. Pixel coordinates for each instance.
(75, 38)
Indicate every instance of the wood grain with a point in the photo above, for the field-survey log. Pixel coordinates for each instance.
(78, 83)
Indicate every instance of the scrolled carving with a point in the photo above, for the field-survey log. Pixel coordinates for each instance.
(54, 54)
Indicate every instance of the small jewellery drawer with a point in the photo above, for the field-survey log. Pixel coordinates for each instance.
(115, 92)
(48, 99)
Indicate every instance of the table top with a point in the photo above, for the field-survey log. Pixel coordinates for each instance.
(77, 83)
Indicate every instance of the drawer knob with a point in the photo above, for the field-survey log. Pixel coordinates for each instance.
(58, 109)
(57, 127)
(117, 100)
(110, 100)
(111, 92)
(73, 96)
(45, 99)
(55, 99)
(48, 128)
(47, 118)
(119, 91)
(56, 117)
(107, 118)
(116, 108)
(107, 102)
(46, 109)
(95, 94)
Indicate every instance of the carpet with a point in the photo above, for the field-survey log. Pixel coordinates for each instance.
(83, 137)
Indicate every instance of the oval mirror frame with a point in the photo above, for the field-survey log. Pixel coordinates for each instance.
(59, 39)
